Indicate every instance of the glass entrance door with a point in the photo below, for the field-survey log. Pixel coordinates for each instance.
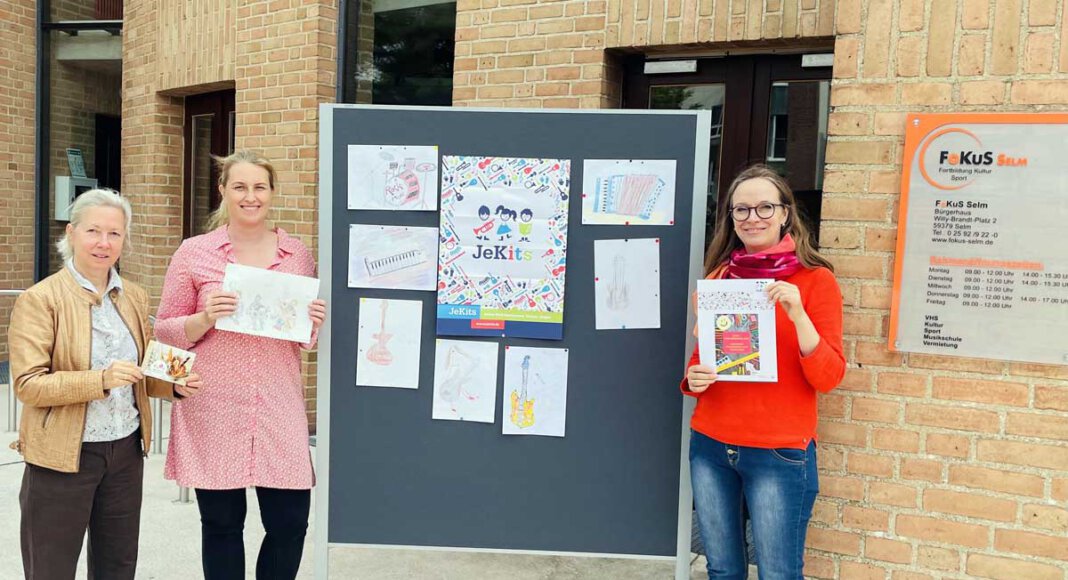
(765, 109)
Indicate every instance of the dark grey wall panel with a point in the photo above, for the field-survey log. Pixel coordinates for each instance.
(611, 485)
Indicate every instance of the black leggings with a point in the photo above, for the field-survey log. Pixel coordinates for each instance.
(284, 513)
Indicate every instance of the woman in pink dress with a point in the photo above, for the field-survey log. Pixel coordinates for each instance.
(248, 428)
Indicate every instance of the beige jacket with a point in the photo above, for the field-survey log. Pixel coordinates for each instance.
(50, 341)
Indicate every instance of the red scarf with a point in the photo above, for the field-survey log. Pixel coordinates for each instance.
(777, 262)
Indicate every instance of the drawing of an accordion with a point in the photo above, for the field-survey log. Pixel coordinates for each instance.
(634, 195)
(387, 262)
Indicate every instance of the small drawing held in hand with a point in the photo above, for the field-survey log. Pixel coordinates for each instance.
(167, 363)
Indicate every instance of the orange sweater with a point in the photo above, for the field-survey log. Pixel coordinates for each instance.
(780, 414)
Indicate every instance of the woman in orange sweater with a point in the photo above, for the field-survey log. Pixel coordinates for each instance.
(753, 444)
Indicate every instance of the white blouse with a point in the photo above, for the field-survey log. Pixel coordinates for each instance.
(114, 416)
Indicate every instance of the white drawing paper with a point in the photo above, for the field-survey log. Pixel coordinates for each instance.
(269, 303)
(167, 363)
(388, 342)
(393, 177)
(626, 281)
(395, 257)
(636, 192)
(535, 391)
(465, 380)
(736, 329)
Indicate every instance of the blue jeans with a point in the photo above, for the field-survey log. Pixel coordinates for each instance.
(779, 487)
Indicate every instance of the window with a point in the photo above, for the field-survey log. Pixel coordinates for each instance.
(399, 52)
(778, 123)
(80, 100)
(767, 109)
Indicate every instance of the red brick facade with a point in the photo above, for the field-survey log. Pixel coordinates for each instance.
(931, 467)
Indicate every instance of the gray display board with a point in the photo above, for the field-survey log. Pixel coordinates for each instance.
(390, 475)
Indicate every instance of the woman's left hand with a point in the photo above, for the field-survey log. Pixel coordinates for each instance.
(317, 312)
(787, 295)
(192, 386)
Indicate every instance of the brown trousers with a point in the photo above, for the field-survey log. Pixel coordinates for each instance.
(103, 497)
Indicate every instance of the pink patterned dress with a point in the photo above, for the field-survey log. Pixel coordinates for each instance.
(247, 427)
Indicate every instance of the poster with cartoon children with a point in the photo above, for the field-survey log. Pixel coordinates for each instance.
(503, 246)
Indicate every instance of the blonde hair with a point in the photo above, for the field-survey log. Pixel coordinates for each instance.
(88, 200)
(726, 240)
(221, 216)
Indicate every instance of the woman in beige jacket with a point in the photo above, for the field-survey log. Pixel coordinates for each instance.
(76, 341)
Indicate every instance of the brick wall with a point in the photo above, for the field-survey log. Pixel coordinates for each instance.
(73, 10)
(151, 148)
(649, 23)
(931, 467)
(282, 60)
(551, 53)
(529, 53)
(207, 25)
(286, 67)
(17, 204)
(937, 466)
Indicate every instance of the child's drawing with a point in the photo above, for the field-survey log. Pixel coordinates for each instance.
(393, 177)
(269, 303)
(286, 316)
(388, 342)
(631, 192)
(256, 314)
(627, 283)
(465, 380)
(378, 353)
(535, 391)
(396, 257)
(167, 362)
(618, 287)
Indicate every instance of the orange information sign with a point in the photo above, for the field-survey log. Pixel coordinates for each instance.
(981, 269)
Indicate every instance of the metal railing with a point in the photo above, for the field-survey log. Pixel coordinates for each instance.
(157, 427)
(12, 400)
(157, 435)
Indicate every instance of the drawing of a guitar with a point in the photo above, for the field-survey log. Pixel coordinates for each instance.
(618, 291)
(522, 414)
(378, 353)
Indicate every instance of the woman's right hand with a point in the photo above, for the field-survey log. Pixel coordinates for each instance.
(220, 305)
(699, 378)
(120, 374)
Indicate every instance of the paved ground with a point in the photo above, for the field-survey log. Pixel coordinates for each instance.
(170, 542)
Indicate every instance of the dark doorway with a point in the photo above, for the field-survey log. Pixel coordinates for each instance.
(108, 151)
(209, 132)
(765, 109)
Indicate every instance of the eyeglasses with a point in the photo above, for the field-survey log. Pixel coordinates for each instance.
(740, 213)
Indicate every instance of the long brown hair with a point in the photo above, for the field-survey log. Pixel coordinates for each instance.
(726, 241)
(221, 216)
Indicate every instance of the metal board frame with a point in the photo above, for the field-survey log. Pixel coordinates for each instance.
(321, 551)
